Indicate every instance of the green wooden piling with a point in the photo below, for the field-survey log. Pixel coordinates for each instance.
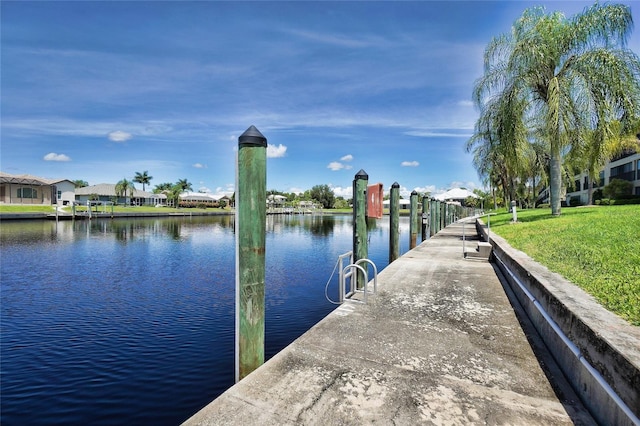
(425, 218)
(446, 215)
(413, 219)
(251, 210)
(360, 244)
(394, 222)
(432, 218)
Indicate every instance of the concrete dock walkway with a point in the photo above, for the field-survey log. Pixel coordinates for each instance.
(439, 344)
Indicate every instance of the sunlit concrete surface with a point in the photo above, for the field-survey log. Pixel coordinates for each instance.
(439, 344)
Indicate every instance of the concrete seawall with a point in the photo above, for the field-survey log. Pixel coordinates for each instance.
(440, 343)
(583, 336)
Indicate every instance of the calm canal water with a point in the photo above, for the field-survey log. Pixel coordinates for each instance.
(132, 321)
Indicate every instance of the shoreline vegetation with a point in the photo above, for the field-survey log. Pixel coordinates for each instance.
(594, 247)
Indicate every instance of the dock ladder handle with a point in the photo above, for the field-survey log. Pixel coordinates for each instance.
(347, 272)
(341, 271)
(375, 272)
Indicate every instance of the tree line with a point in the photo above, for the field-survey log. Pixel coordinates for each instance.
(559, 96)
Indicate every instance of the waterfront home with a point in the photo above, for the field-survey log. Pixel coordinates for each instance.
(107, 192)
(28, 189)
(203, 198)
(625, 166)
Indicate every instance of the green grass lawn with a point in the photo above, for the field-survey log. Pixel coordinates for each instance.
(4, 208)
(597, 248)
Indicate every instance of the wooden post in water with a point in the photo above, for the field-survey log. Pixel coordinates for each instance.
(360, 245)
(394, 222)
(446, 215)
(432, 218)
(251, 215)
(413, 219)
(425, 217)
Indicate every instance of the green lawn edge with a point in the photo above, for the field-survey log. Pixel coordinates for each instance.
(597, 248)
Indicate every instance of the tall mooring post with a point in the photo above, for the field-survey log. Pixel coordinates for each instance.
(432, 217)
(394, 222)
(425, 218)
(413, 219)
(251, 215)
(360, 245)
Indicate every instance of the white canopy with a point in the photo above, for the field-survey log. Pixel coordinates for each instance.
(402, 202)
(455, 194)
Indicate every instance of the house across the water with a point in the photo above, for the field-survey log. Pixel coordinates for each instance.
(107, 192)
(28, 189)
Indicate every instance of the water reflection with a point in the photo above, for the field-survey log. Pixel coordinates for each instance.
(123, 230)
(122, 310)
(128, 230)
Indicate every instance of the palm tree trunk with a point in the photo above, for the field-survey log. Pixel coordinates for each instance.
(555, 180)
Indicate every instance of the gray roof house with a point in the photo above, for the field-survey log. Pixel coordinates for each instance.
(107, 192)
(29, 189)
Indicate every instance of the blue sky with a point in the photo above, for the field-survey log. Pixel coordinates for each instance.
(101, 90)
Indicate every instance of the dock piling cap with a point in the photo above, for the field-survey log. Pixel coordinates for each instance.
(362, 175)
(395, 185)
(252, 137)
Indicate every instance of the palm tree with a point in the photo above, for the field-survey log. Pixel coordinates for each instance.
(184, 185)
(494, 158)
(560, 79)
(123, 187)
(161, 187)
(180, 186)
(143, 178)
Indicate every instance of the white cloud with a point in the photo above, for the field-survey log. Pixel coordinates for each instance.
(465, 103)
(439, 134)
(274, 151)
(228, 190)
(347, 157)
(340, 40)
(119, 136)
(468, 185)
(339, 191)
(204, 190)
(409, 164)
(424, 189)
(336, 165)
(52, 156)
(200, 166)
(404, 192)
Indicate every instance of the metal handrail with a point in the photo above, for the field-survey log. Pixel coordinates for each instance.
(375, 273)
(348, 272)
(341, 277)
(488, 225)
